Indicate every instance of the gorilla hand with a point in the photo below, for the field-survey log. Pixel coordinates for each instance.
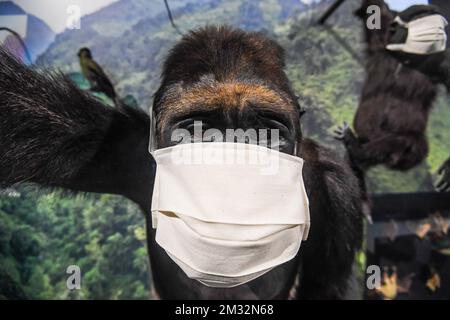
(443, 183)
(344, 133)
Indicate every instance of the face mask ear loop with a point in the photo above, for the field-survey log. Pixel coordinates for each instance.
(401, 22)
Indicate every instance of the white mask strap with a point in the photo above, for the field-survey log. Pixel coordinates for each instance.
(401, 22)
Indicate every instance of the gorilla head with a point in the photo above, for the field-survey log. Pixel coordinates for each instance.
(229, 79)
(434, 66)
(239, 86)
(242, 85)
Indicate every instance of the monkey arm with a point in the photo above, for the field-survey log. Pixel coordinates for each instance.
(53, 134)
(336, 210)
(362, 154)
(397, 150)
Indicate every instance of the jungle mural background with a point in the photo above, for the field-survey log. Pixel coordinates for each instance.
(43, 231)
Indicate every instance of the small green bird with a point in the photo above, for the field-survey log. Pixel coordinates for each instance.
(95, 75)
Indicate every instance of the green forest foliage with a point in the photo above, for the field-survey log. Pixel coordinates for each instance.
(42, 232)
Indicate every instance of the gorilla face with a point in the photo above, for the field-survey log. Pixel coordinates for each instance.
(214, 80)
(250, 110)
(240, 86)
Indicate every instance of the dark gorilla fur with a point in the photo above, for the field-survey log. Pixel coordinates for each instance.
(396, 99)
(55, 135)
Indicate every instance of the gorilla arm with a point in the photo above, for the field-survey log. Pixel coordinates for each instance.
(336, 231)
(53, 134)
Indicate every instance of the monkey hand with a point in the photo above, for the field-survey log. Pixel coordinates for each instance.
(443, 183)
(344, 133)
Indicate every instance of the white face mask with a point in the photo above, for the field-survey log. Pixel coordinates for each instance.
(425, 35)
(225, 219)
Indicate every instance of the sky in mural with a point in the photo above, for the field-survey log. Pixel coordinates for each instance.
(54, 12)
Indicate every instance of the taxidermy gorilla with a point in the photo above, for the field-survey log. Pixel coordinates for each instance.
(55, 135)
(396, 99)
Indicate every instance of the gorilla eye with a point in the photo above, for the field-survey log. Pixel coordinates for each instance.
(272, 119)
(196, 128)
(278, 124)
(192, 124)
(195, 125)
